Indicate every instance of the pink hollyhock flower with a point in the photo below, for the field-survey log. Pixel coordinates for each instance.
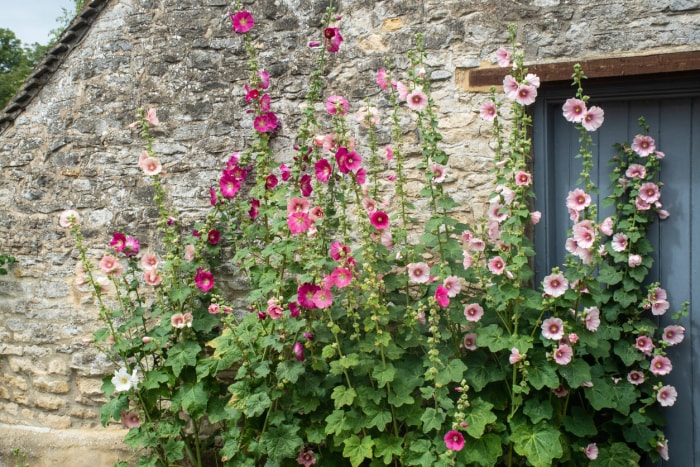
(213, 236)
(636, 171)
(555, 285)
(213, 200)
(361, 176)
(634, 260)
(149, 261)
(118, 241)
(111, 265)
(383, 79)
(264, 79)
(271, 181)
(535, 217)
(339, 251)
(473, 312)
(453, 286)
(532, 79)
(663, 214)
(667, 396)
(584, 234)
(673, 334)
(657, 294)
(560, 391)
(417, 100)
(389, 155)
(254, 208)
(151, 166)
(367, 116)
(553, 328)
(525, 94)
(574, 110)
(251, 94)
(178, 321)
(635, 377)
(477, 244)
(242, 22)
(152, 277)
(591, 451)
(298, 205)
(152, 117)
(131, 247)
(68, 219)
(488, 111)
(573, 338)
(644, 344)
(402, 90)
(497, 265)
(294, 310)
(467, 260)
(266, 104)
(189, 252)
(298, 350)
(316, 213)
(306, 458)
(305, 295)
(563, 354)
(591, 318)
(523, 178)
(265, 123)
(619, 242)
(503, 57)
(593, 118)
(606, 227)
(662, 449)
(228, 185)
(454, 440)
(510, 87)
(649, 192)
(274, 310)
(130, 419)
(659, 307)
(204, 280)
(659, 154)
(323, 298)
(379, 219)
(418, 272)
(660, 365)
(214, 308)
(341, 277)
(314, 44)
(352, 161)
(515, 356)
(578, 200)
(337, 105)
(333, 39)
(643, 145)
(469, 341)
(285, 172)
(298, 222)
(441, 296)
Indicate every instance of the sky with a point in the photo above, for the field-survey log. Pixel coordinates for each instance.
(31, 20)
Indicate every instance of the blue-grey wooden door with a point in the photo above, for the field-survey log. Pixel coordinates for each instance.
(672, 111)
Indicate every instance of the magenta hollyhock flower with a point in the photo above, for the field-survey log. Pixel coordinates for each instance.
(204, 280)
(389, 154)
(111, 265)
(252, 94)
(305, 185)
(635, 377)
(333, 39)
(298, 350)
(265, 103)
(525, 94)
(266, 122)
(323, 170)
(118, 241)
(297, 204)
(285, 172)
(418, 272)
(473, 312)
(152, 277)
(591, 451)
(453, 285)
(264, 79)
(417, 100)
(151, 166)
(306, 458)
(254, 208)
(488, 111)
(667, 396)
(383, 79)
(673, 334)
(213, 236)
(339, 251)
(497, 265)
(441, 296)
(352, 161)
(649, 192)
(305, 295)
(242, 22)
(213, 196)
(636, 171)
(523, 178)
(229, 185)
(503, 57)
(574, 110)
(660, 365)
(553, 328)
(469, 341)
(593, 118)
(323, 298)
(379, 219)
(454, 440)
(591, 318)
(619, 242)
(337, 105)
(341, 277)
(298, 222)
(294, 310)
(563, 354)
(131, 247)
(271, 181)
(643, 145)
(361, 176)
(578, 200)
(644, 344)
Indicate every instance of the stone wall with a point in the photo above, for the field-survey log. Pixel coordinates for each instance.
(71, 146)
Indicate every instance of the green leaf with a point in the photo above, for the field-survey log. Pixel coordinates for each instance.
(281, 442)
(343, 395)
(623, 298)
(357, 450)
(538, 410)
(420, 453)
(290, 370)
(576, 373)
(388, 446)
(484, 451)
(112, 410)
(539, 443)
(580, 423)
(627, 353)
(179, 294)
(337, 422)
(478, 416)
(605, 394)
(380, 419)
(639, 434)
(609, 275)
(181, 355)
(453, 371)
(542, 375)
(174, 449)
(616, 455)
(492, 337)
(256, 403)
(482, 371)
(384, 375)
(432, 419)
(193, 398)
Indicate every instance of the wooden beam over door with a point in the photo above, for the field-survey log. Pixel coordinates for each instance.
(615, 67)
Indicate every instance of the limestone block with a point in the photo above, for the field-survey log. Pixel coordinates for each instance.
(51, 385)
(49, 402)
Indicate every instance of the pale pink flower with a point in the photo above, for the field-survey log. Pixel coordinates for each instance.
(497, 265)
(673, 334)
(667, 396)
(439, 172)
(274, 310)
(591, 317)
(152, 277)
(636, 171)
(467, 260)
(305, 458)
(660, 365)
(149, 261)
(417, 100)
(506, 193)
(177, 320)
(663, 214)
(473, 312)
(619, 242)
(383, 79)
(641, 205)
(69, 218)
(634, 260)
(523, 178)
(563, 354)
(418, 272)
(578, 200)
(659, 154)
(593, 118)
(532, 79)
(367, 116)
(469, 341)
(214, 308)
(535, 217)
(649, 192)
(525, 94)
(644, 344)
(189, 252)
(553, 328)
(635, 377)
(151, 166)
(497, 213)
(606, 227)
(584, 234)
(574, 110)
(152, 117)
(402, 90)
(298, 205)
(572, 338)
(188, 319)
(555, 284)
(657, 294)
(643, 145)
(503, 57)
(662, 449)
(515, 356)
(659, 307)
(591, 451)
(477, 244)
(453, 286)
(111, 265)
(510, 87)
(488, 111)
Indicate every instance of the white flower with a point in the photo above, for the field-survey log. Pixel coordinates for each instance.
(123, 381)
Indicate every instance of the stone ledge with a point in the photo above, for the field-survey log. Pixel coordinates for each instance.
(45, 447)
